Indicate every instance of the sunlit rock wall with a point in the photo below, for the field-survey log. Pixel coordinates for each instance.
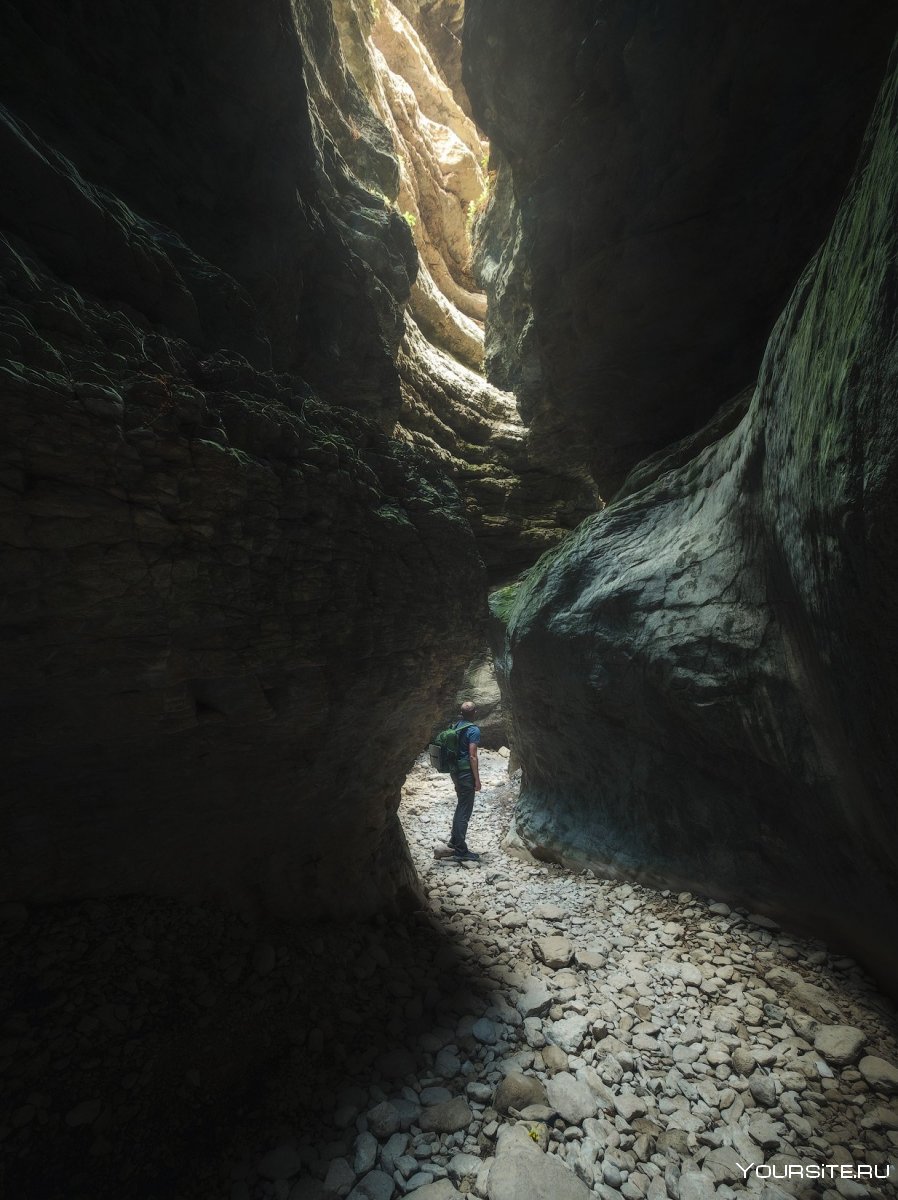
(517, 506)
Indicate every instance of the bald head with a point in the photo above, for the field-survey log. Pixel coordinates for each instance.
(468, 710)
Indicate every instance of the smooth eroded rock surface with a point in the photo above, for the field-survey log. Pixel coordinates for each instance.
(656, 227)
(710, 647)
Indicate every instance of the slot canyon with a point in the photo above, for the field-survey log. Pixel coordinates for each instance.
(365, 357)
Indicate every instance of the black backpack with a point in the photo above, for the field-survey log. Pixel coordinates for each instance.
(444, 749)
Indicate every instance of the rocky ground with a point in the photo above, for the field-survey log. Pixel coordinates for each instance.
(531, 1035)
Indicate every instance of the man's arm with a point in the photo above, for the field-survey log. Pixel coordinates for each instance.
(475, 765)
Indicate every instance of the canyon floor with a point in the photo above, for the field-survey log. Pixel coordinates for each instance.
(532, 1034)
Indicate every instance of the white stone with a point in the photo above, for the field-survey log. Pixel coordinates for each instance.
(880, 1075)
(568, 1034)
(523, 1172)
(571, 1098)
(840, 1045)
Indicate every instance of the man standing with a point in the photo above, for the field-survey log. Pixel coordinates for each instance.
(467, 781)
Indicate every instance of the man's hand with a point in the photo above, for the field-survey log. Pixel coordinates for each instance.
(475, 766)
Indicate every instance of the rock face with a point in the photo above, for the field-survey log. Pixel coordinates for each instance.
(672, 176)
(216, 584)
(518, 505)
(710, 648)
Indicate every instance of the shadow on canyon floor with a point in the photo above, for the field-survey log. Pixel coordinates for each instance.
(148, 1045)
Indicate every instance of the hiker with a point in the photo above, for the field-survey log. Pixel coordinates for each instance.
(466, 777)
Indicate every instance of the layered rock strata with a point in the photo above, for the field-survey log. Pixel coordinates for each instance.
(673, 172)
(700, 677)
(517, 505)
(217, 585)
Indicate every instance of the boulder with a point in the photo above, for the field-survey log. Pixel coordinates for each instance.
(556, 951)
(517, 1090)
(571, 1098)
(881, 1075)
(448, 1117)
(840, 1045)
(521, 1171)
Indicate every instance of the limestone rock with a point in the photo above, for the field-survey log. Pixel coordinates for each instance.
(882, 1076)
(523, 1172)
(340, 1176)
(441, 1189)
(568, 1033)
(448, 1117)
(517, 1091)
(554, 1058)
(535, 1000)
(376, 1185)
(383, 1120)
(556, 952)
(463, 1167)
(763, 1089)
(571, 1098)
(840, 1045)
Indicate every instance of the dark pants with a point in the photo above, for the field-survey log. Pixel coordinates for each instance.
(464, 789)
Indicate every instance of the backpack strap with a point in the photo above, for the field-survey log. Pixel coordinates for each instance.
(460, 728)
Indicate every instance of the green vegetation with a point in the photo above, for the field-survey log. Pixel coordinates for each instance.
(478, 206)
(410, 219)
(502, 601)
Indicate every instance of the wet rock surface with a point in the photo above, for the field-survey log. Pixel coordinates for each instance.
(171, 1050)
(709, 647)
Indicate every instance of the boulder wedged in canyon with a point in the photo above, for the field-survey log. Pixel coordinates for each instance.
(223, 582)
(702, 677)
(673, 173)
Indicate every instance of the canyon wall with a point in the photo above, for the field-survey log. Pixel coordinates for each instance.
(702, 678)
(224, 582)
(673, 170)
(518, 502)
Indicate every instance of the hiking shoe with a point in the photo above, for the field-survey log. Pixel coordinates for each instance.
(466, 856)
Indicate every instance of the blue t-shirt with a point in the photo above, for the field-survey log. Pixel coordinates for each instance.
(470, 737)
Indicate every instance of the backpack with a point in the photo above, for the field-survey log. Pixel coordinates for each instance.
(443, 750)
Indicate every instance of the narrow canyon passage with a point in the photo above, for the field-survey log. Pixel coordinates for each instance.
(362, 357)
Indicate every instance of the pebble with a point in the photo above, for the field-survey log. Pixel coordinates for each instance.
(882, 1076)
(840, 1045)
(485, 1032)
(365, 1154)
(556, 952)
(448, 1117)
(383, 1120)
(571, 1098)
